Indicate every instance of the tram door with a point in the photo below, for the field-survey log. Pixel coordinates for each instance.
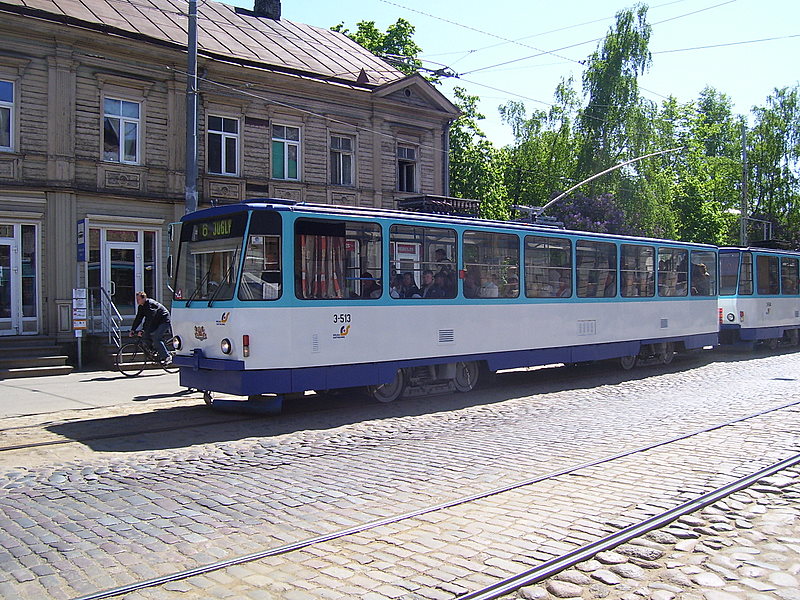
(123, 274)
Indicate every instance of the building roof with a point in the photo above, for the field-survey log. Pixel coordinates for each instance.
(224, 33)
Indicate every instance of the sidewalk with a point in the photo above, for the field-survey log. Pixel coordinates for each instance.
(86, 389)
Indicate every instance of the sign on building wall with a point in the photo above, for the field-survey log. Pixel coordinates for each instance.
(81, 238)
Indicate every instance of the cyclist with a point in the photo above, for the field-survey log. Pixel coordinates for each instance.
(156, 323)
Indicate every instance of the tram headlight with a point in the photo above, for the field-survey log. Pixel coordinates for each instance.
(225, 346)
(177, 344)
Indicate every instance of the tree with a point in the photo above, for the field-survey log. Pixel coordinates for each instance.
(476, 167)
(610, 82)
(395, 46)
(773, 158)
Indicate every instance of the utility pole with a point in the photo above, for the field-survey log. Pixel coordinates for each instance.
(743, 205)
(190, 189)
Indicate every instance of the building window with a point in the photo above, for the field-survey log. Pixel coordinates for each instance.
(341, 160)
(6, 115)
(406, 169)
(223, 146)
(285, 152)
(121, 120)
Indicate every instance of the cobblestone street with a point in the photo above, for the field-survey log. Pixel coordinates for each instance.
(85, 517)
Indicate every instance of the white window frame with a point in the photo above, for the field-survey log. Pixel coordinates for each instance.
(224, 137)
(337, 159)
(408, 162)
(124, 122)
(287, 143)
(11, 106)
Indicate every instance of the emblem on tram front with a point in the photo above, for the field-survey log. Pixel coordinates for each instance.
(200, 332)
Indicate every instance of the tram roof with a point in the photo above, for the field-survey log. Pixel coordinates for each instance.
(283, 205)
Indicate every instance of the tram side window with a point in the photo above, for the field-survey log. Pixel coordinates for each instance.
(262, 277)
(746, 275)
(422, 261)
(491, 264)
(789, 276)
(337, 260)
(673, 266)
(548, 267)
(728, 273)
(767, 275)
(704, 273)
(596, 269)
(637, 271)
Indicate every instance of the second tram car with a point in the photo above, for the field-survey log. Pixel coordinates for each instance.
(759, 300)
(277, 297)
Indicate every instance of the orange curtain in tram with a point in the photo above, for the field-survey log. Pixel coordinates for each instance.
(322, 266)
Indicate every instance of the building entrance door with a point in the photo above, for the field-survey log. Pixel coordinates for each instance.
(123, 275)
(10, 322)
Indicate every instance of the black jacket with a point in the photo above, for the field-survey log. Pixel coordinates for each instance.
(153, 313)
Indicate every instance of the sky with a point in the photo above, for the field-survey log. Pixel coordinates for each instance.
(504, 50)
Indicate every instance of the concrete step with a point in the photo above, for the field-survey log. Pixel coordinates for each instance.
(35, 372)
(7, 351)
(33, 361)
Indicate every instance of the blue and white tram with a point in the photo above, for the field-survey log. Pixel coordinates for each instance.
(276, 297)
(759, 299)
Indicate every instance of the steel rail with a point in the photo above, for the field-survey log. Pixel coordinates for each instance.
(556, 565)
(299, 545)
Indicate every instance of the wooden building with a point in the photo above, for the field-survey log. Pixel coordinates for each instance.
(93, 130)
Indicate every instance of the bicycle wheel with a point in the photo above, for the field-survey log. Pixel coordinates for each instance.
(131, 359)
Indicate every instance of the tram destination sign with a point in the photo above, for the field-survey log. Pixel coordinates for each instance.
(215, 229)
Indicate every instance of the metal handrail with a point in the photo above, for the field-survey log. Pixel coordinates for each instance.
(110, 317)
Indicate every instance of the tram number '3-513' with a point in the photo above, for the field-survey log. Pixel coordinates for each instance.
(341, 318)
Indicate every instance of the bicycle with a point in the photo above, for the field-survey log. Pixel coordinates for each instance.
(134, 356)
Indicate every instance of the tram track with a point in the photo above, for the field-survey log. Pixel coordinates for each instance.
(546, 569)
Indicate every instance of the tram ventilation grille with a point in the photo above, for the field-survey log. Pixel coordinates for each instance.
(315, 342)
(447, 336)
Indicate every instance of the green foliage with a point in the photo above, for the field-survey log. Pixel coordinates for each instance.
(610, 82)
(476, 167)
(396, 45)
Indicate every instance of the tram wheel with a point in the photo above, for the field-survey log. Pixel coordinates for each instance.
(628, 362)
(772, 343)
(389, 392)
(667, 356)
(466, 377)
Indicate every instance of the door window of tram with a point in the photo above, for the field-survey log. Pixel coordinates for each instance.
(596, 269)
(491, 264)
(337, 260)
(704, 273)
(746, 275)
(789, 276)
(262, 277)
(728, 273)
(548, 267)
(767, 275)
(673, 265)
(422, 260)
(637, 271)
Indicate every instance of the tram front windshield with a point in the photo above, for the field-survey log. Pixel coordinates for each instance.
(208, 259)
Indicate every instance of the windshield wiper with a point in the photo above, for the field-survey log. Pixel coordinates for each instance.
(202, 281)
(224, 279)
